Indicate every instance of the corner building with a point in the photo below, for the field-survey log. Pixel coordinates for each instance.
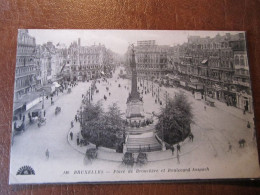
(25, 73)
(87, 62)
(151, 59)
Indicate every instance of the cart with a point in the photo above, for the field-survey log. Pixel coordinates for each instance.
(57, 110)
(41, 121)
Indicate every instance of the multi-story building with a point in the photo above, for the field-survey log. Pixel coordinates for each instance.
(25, 75)
(44, 68)
(61, 70)
(220, 65)
(210, 62)
(151, 59)
(242, 75)
(87, 62)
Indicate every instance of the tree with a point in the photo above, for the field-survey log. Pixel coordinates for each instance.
(102, 128)
(175, 119)
(113, 125)
(92, 120)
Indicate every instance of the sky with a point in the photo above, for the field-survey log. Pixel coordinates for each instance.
(117, 40)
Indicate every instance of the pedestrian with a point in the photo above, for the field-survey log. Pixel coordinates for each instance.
(15, 125)
(30, 118)
(205, 107)
(71, 124)
(76, 118)
(229, 147)
(172, 148)
(77, 139)
(47, 154)
(71, 135)
(23, 118)
(248, 125)
(44, 113)
(191, 136)
(178, 148)
(20, 116)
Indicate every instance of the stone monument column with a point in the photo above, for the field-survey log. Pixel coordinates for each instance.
(134, 92)
(134, 104)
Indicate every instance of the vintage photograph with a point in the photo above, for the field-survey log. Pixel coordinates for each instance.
(99, 106)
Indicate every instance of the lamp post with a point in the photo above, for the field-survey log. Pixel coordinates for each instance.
(43, 99)
(89, 91)
(152, 87)
(158, 93)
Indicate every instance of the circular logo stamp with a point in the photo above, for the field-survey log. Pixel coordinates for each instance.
(25, 170)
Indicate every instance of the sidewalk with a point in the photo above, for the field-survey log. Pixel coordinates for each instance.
(102, 155)
(47, 105)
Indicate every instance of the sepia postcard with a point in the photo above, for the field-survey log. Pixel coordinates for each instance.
(101, 106)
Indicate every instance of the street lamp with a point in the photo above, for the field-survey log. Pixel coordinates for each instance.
(152, 87)
(43, 99)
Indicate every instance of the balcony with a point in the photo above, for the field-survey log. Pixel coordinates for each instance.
(245, 84)
(241, 67)
(24, 74)
(32, 84)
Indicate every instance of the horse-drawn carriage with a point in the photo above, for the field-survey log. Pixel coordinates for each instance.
(57, 110)
(36, 114)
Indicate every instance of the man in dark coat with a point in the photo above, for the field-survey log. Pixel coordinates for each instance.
(172, 149)
(71, 135)
(178, 148)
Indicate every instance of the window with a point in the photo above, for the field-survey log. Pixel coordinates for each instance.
(236, 60)
(242, 61)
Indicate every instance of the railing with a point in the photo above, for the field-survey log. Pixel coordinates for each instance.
(23, 74)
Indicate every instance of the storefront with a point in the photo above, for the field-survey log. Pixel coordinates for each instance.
(230, 97)
(244, 101)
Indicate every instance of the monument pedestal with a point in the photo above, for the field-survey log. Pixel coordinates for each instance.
(134, 109)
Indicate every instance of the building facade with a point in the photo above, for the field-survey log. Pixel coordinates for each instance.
(220, 65)
(87, 62)
(242, 75)
(25, 73)
(151, 59)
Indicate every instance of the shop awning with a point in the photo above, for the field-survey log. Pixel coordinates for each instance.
(56, 84)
